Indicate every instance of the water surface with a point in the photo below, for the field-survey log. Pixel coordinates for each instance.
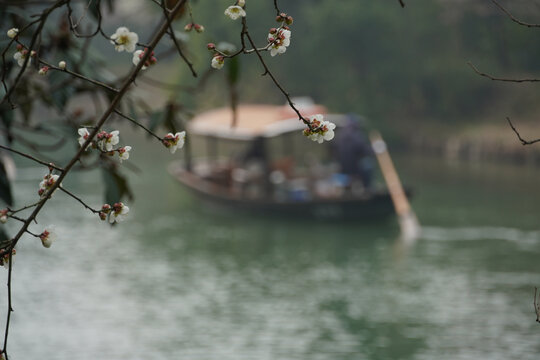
(178, 282)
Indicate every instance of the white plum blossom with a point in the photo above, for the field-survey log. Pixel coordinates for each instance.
(47, 183)
(138, 55)
(118, 212)
(62, 65)
(12, 33)
(173, 142)
(84, 133)
(241, 3)
(320, 130)
(279, 40)
(218, 61)
(235, 11)
(48, 236)
(123, 153)
(21, 55)
(106, 140)
(123, 39)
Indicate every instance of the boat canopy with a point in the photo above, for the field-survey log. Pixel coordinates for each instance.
(251, 121)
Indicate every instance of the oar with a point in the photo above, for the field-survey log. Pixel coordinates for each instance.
(410, 228)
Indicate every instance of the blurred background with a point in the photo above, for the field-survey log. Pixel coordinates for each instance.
(177, 280)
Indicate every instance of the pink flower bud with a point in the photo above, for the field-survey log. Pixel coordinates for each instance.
(289, 20)
(211, 46)
(43, 70)
(188, 27)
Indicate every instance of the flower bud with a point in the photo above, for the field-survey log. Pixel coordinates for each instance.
(198, 28)
(19, 47)
(273, 31)
(289, 20)
(241, 3)
(188, 27)
(33, 53)
(43, 71)
(62, 65)
(12, 33)
(211, 46)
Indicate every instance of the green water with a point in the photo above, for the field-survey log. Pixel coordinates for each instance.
(176, 281)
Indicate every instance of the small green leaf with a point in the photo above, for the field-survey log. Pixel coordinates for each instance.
(5, 186)
(116, 186)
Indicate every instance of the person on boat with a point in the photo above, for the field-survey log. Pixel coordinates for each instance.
(256, 167)
(354, 154)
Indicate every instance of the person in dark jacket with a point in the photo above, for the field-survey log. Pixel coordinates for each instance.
(353, 152)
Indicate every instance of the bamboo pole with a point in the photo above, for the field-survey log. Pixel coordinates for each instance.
(408, 222)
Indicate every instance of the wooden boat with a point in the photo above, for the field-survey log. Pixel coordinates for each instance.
(284, 189)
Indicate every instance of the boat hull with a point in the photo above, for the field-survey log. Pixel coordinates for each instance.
(375, 205)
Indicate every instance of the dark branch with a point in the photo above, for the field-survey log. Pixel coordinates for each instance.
(523, 141)
(512, 17)
(499, 79)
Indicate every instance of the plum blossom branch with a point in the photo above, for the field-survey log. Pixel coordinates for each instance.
(499, 79)
(48, 164)
(523, 141)
(42, 19)
(120, 210)
(401, 3)
(278, 85)
(175, 40)
(512, 17)
(79, 76)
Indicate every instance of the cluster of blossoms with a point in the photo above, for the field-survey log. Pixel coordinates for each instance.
(174, 141)
(4, 257)
(21, 54)
(280, 38)
(125, 40)
(139, 54)
(105, 142)
(319, 130)
(236, 11)
(48, 236)
(115, 213)
(46, 184)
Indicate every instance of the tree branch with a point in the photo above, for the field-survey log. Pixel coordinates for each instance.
(497, 78)
(513, 18)
(523, 141)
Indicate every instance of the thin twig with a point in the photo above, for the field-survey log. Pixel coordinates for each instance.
(536, 307)
(512, 17)
(523, 141)
(497, 78)
(78, 199)
(48, 164)
(137, 123)
(175, 40)
(401, 3)
(79, 76)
